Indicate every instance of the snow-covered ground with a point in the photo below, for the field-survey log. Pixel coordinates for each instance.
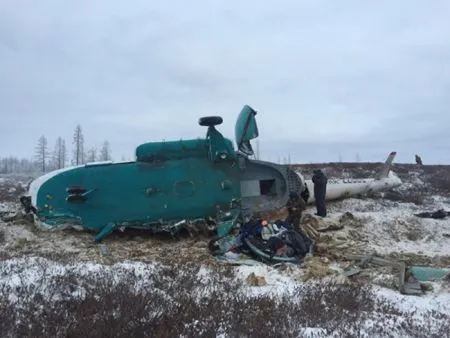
(391, 227)
(42, 275)
(32, 259)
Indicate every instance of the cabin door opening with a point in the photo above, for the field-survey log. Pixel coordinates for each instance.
(267, 187)
(253, 188)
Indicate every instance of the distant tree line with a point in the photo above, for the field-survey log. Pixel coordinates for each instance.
(48, 159)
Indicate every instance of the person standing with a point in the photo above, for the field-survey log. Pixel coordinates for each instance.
(295, 207)
(320, 190)
(305, 194)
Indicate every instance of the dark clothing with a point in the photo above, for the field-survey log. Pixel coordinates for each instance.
(26, 203)
(320, 190)
(305, 194)
(419, 160)
(439, 214)
(295, 207)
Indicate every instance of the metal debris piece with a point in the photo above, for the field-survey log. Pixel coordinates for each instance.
(374, 260)
(310, 231)
(104, 250)
(254, 280)
(330, 227)
(366, 260)
(352, 271)
(9, 216)
(411, 288)
(349, 219)
(426, 273)
(406, 285)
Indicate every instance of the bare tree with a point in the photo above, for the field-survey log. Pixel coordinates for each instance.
(42, 152)
(9, 164)
(63, 154)
(91, 155)
(78, 143)
(15, 165)
(105, 152)
(4, 167)
(60, 153)
(53, 160)
(358, 158)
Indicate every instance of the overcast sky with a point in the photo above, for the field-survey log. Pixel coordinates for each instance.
(329, 79)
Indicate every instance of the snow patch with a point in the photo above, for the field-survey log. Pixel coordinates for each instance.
(392, 227)
(278, 283)
(439, 300)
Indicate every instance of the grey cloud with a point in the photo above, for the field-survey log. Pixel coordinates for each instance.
(327, 77)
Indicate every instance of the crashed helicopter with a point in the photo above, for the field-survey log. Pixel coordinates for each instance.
(172, 185)
(169, 185)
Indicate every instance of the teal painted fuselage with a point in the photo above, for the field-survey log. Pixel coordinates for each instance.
(169, 182)
(140, 192)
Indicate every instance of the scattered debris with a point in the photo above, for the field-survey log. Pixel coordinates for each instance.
(104, 251)
(310, 231)
(426, 274)
(254, 280)
(439, 214)
(349, 219)
(316, 267)
(11, 216)
(370, 225)
(330, 227)
(410, 277)
(270, 242)
(366, 259)
(393, 195)
(357, 236)
(351, 272)
(310, 220)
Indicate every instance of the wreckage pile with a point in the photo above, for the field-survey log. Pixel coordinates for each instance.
(376, 243)
(274, 242)
(348, 244)
(340, 246)
(343, 240)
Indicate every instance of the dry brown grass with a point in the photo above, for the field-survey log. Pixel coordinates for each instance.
(168, 309)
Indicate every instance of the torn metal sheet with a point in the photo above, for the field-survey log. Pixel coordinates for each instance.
(428, 274)
(239, 261)
(352, 272)
(412, 288)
